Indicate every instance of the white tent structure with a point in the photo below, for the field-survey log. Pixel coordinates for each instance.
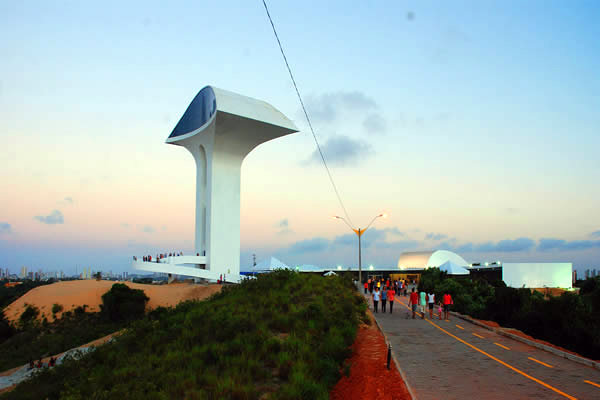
(269, 265)
(330, 273)
(453, 269)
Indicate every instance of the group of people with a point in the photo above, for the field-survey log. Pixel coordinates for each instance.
(161, 256)
(384, 291)
(40, 364)
(422, 299)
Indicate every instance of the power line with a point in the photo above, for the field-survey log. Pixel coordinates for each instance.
(306, 115)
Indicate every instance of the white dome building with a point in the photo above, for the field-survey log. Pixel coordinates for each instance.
(419, 260)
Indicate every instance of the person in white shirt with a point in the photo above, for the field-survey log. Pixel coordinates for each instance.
(376, 298)
(430, 303)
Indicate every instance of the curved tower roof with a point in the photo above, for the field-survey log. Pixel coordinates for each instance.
(428, 259)
(211, 101)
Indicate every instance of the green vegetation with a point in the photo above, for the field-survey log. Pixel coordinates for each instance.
(281, 336)
(31, 339)
(121, 303)
(571, 320)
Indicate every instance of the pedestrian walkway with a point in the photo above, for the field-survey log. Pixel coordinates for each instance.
(459, 360)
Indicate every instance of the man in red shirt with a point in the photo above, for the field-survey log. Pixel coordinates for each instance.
(447, 302)
(413, 301)
(390, 296)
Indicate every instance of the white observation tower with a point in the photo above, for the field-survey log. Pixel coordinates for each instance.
(219, 128)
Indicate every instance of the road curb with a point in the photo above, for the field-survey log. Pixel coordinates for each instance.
(396, 363)
(549, 349)
(410, 391)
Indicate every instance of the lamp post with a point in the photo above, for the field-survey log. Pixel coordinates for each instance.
(359, 232)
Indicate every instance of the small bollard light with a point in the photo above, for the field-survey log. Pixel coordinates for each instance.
(389, 355)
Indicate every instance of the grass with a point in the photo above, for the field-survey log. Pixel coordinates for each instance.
(282, 336)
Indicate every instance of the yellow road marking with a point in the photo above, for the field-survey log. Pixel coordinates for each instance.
(460, 327)
(504, 347)
(500, 361)
(540, 362)
(592, 383)
(479, 336)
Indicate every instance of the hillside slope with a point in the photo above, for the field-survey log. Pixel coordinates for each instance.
(72, 294)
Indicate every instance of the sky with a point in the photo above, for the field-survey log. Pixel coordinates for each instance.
(473, 125)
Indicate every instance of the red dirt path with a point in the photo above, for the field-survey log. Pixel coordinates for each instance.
(369, 377)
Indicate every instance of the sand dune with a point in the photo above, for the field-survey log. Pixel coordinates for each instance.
(71, 294)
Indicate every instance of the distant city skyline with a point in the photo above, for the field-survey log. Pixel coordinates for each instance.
(473, 125)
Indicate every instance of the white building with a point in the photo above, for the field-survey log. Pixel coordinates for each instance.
(219, 129)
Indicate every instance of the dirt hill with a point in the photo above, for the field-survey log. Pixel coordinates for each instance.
(71, 294)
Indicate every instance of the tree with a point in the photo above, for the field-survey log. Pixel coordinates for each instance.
(121, 303)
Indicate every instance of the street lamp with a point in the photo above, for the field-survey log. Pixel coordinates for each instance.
(359, 232)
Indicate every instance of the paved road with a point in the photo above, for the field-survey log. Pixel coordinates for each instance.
(459, 360)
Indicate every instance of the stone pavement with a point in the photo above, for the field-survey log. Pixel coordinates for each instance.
(459, 360)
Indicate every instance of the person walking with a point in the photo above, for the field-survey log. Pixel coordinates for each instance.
(430, 303)
(390, 296)
(376, 298)
(413, 301)
(366, 287)
(422, 303)
(447, 300)
(383, 298)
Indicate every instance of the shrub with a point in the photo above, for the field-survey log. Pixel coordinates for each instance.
(56, 308)
(29, 316)
(571, 321)
(121, 303)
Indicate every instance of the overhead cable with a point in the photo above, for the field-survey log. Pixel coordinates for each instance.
(307, 117)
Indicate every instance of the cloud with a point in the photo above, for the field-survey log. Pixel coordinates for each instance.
(67, 201)
(328, 107)
(309, 245)
(548, 244)
(372, 237)
(520, 244)
(436, 236)
(5, 228)
(394, 231)
(55, 217)
(284, 226)
(375, 123)
(399, 245)
(342, 150)
(503, 246)
(595, 234)
(147, 229)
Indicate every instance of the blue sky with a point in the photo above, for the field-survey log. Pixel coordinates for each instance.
(473, 124)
